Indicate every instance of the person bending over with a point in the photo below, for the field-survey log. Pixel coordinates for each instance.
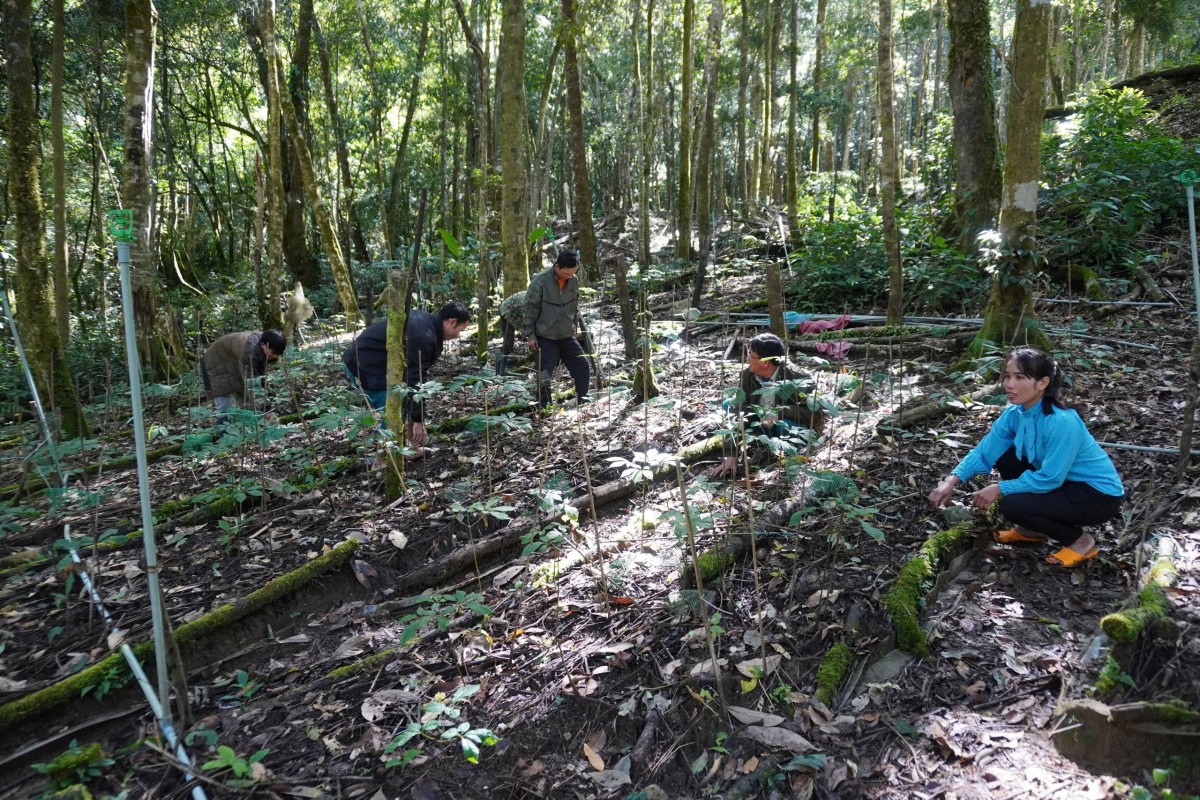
(1054, 477)
(365, 361)
(512, 319)
(231, 363)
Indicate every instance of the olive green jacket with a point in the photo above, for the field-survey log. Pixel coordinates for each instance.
(231, 362)
(551, 312)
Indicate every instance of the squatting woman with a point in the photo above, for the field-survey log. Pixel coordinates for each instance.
(1054, 478)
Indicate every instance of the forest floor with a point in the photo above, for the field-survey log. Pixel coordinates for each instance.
(570, 648)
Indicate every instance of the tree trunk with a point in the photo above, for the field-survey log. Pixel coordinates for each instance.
(775, 300)
(770, 37)
(1009, 318)
(333, 249)
(394, 205)
(270, 307)
(479, 92)
(683, 241)
(745, 197)
(62, 307)
(792, 184)
(583, 190)
(396, 354)
(628, 323)
(513, 188)
(976, 146)
(159, 345)
(816, 84)
(705, 147)
(646, 142)
(294, 91)
(34, 313)
(889, 176)
(343, 156)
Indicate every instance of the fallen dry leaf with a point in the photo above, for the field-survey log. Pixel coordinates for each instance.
(593, 757)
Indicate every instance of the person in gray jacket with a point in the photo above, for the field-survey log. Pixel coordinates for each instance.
(230, 364)
(551, 320)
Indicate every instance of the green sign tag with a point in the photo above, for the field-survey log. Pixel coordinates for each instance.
(120, 224)
(1189, 177)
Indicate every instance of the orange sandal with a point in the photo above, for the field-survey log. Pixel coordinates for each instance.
(1014, 536)
(1068, 558)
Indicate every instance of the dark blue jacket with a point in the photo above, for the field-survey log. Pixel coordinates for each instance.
(366, 357)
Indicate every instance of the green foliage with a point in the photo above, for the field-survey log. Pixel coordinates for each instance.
(115, 677)
(1111, 181)
(75, 765)
(228, 759)
(1112, 677)
(241, 688)
(440, 610)
(440, 723)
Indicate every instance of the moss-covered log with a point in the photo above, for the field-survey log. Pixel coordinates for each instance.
(904, 601)
(832, 671)
(1151, 608)
(72, 687)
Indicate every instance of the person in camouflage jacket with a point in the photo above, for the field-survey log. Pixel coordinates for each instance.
(230, 364)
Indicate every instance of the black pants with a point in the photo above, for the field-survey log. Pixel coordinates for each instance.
(510, 337)
(570, 353)
(1061, 513)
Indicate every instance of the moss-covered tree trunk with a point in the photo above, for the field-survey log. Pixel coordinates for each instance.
(767, 105)
(973, 100)
(62, 308)
(743, 174)
(269, 307)
(625, 302)
(775, 300)
(396, 358)
(583, 185)
(312, 190)
(514, 229)
(646, 139)
(704, 147)
(818, 57)
(1009, 318)
(34, 311)
(683, 243)
(159, 344)
(889, 166)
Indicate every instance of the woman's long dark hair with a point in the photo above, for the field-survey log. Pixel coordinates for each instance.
(1039, 364)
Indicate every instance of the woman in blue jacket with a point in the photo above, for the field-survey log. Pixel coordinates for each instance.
(1054, 477)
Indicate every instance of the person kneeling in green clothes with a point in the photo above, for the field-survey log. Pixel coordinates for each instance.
(767, 396)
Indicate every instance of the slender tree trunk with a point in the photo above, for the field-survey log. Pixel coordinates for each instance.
(333, 249)
(775, 300)
(62, 306)
(745, 197)
(396, 356)
(818, 57)
(976, 143)
(794, 155)
(770, 37)
(646, 141)
(683, 242)
(395, 203)
(159, 344)
(349, 201)
(271, 307)
(625, 302)
(513, 195)
(482, 105)
(583, 189)
(890, 167)
(294, 91)
(377, 106)
(34, 309)
(1009, 318)
(704, 146)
